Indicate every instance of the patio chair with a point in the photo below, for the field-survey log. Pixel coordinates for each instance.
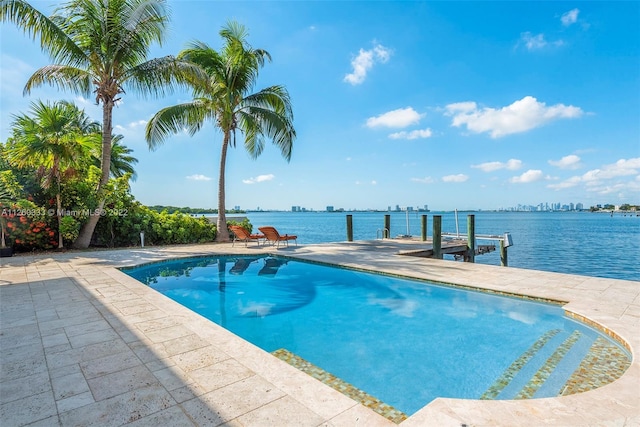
(272, 236)
(241, 234)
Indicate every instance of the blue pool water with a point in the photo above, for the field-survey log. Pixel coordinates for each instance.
(404, 342)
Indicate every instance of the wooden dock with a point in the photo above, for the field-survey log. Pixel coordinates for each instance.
(460, 246)
(457, 248)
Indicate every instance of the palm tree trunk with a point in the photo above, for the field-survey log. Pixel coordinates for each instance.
(2, 234)
(222, 232)
(59, 215)
(86, 232)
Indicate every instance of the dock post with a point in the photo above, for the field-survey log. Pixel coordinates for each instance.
(387, 227)
(471, 239)
(503, 254)
(349, 228)
(437, 236)
(424, 228)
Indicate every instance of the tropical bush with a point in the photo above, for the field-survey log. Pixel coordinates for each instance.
(30, 222)
(28, 227)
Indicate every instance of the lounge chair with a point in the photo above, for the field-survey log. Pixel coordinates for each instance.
(272, 235)
(241, 234)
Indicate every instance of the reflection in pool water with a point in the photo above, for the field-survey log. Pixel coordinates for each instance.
(404, 342)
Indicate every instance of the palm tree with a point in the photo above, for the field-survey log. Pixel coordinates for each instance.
(224, 98)
(101, 47)
(121, 159)
(54, 140)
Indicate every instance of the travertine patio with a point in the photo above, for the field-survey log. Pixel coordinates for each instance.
(81, 343)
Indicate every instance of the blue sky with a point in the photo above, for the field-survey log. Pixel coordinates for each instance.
(467, 105)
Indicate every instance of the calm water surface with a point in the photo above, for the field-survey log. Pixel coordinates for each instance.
(591, 244)
(404, 342)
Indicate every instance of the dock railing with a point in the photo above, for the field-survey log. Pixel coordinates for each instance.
(504, 241)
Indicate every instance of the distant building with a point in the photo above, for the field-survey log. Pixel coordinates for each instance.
(329, 208)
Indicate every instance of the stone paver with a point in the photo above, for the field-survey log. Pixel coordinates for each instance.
(81, 343)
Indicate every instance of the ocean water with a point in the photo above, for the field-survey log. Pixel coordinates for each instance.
(585, 243)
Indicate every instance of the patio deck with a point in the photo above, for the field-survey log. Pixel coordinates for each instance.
(81, 343)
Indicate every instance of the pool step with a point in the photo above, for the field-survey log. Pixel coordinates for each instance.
(340, 385)
(605, 363)
(547, 369)
(543, 370)
(509, 374)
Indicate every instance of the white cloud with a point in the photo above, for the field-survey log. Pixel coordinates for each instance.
(131, 125)
(414, 134)
(134, 132)
(620, 188)
(609, 179)
(198, 177)
(259, 178)
(402, 117)
(567, 162)
(623, 167)
(531, 175)
(533, 42)
(511, 164)
(425, 180)
(571, 182)
(455, 178)
(537, 42)
(374, 182)
(570, 17)
(364, 62)
(139, 123)
(521, 116)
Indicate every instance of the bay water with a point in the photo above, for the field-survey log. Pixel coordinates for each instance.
(586, 243)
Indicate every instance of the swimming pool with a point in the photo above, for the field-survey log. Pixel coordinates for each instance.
(403, 342)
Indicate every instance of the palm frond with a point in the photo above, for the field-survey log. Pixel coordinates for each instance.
(122, 162)
(139, 24)
(63, 77)
(53, 39)
(273, 97)
(49, 139)
(274, 126)
(171, 120)
(252, 129)
(161, 75)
